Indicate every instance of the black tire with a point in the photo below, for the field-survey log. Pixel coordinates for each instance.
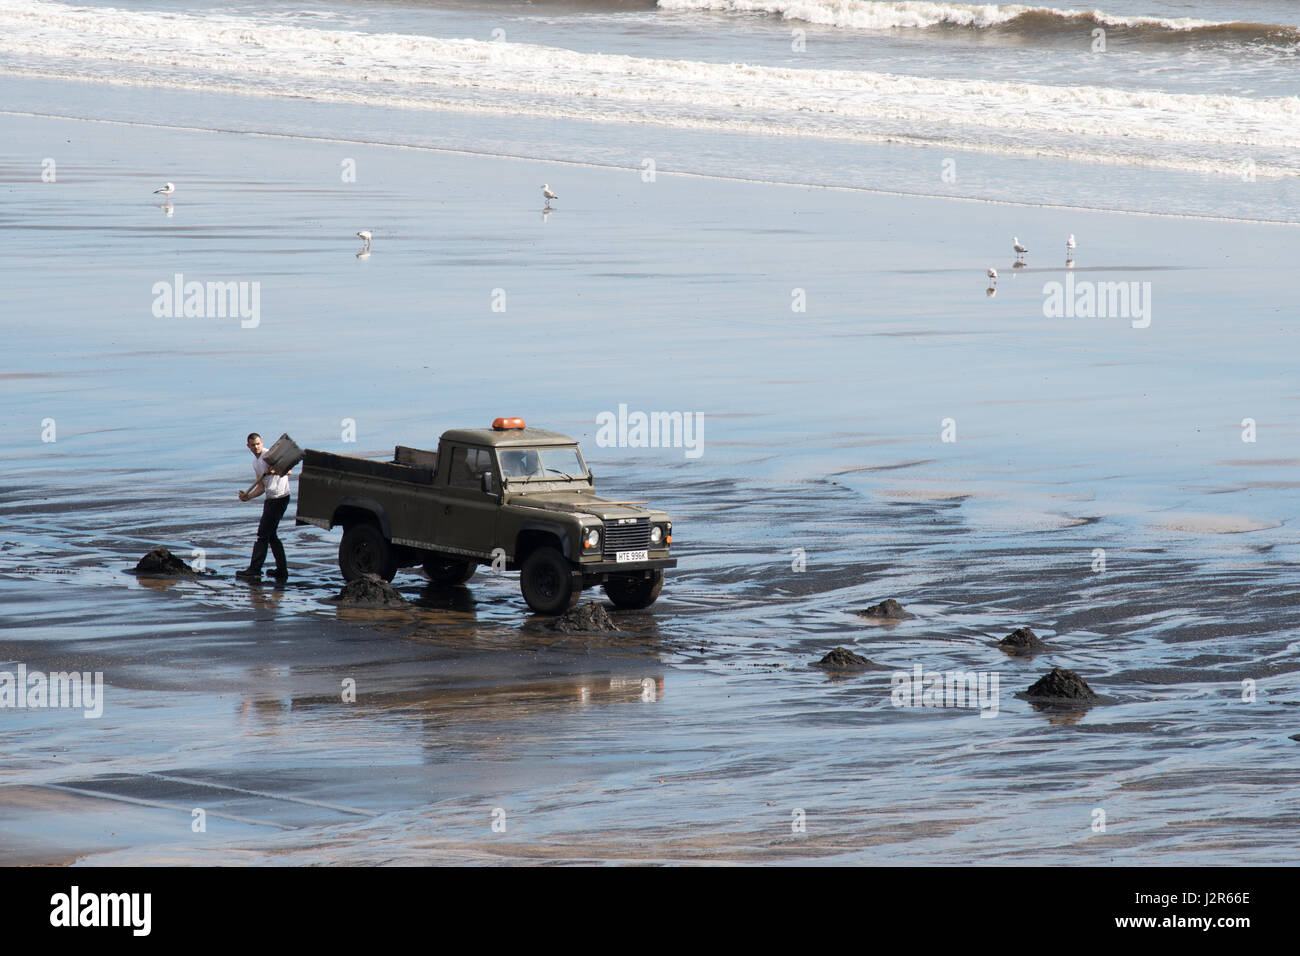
(364, 550)
(632, 592)
(449, 570)
(548, 583)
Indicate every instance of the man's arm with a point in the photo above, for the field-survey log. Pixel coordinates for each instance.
(255, 489)
(260, 469)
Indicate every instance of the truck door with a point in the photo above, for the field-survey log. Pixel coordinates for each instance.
(468, 518)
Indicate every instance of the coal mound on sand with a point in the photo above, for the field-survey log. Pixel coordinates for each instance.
(843, 659)
(162, 563)
(370, 590)
(888, 609)
(1061, 684)
(1022, 641)
(585, 618)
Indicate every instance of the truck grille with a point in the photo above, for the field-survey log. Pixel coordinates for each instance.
(626, 537)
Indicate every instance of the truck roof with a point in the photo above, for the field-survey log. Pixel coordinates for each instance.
(506, 437)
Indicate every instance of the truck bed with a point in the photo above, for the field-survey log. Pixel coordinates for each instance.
(403, 471)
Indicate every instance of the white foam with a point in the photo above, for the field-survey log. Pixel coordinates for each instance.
(267, 57)
(859, 15)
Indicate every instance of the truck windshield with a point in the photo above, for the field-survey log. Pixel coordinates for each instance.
(547, 463)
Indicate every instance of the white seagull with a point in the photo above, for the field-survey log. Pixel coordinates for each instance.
(166, 189)
(364, 236)
(1015, 244)
(1069, 244)
(993, 275)
(546, 191)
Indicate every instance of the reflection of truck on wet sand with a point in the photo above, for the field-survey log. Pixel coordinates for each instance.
(512, 497)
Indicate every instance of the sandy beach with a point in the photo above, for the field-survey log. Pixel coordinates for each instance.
(868, 404)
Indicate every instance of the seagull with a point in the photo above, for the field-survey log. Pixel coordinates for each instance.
(993, 276)
(166, 189)
(364, 236)
(1015, 244)
(546, 191)
(1069, 244)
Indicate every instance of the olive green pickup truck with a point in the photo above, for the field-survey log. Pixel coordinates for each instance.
(509, 496)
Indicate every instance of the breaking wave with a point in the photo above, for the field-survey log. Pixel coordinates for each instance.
(1020, 19)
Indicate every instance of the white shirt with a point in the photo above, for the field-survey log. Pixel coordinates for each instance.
(277, 486)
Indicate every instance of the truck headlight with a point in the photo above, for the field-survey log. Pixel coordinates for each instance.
(656, 535)
(591, 538)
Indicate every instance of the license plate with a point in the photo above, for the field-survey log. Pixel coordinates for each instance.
(623, 556)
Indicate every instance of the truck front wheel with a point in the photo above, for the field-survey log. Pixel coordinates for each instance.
(633, 592)
(449, 570)
(364, 550)
(548, 583)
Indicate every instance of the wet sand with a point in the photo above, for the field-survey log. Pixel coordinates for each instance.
(692, 735)
(699, 731)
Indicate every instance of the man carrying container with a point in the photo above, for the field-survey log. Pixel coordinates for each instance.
(276, 489)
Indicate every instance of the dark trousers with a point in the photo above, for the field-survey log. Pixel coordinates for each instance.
(272, 511)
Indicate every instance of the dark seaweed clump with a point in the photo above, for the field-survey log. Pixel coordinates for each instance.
(1022, 641)
(370, 590)
(584, 618)
(843, 659)
(1061, 684)
(161, 562)
(888, 608)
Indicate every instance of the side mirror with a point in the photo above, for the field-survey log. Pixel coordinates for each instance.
(486, 483)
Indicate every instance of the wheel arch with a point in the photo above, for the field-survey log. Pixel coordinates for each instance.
(538, 534)
(351, 510)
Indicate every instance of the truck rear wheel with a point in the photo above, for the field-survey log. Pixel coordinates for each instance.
(633, 592)
(547, 582)
(364, 550)
(449, 570)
